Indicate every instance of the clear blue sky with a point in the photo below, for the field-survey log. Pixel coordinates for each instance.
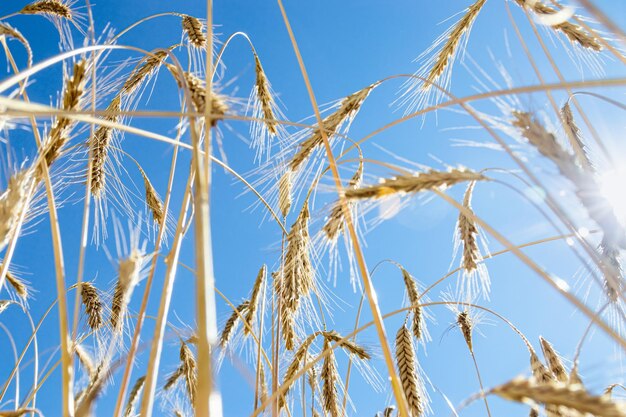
(346, 46)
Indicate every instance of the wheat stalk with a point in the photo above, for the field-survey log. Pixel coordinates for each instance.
(405, 361)
(573, 397)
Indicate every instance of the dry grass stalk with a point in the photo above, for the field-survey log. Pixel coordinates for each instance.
(454, 39)
(254, 299)
(72, 93)
(405, 361)
(264, 95)
(18, 413)
(348, 108)
(414, 183)
(298, 276)
(330, 376)
(468, 233)
(129, 270)
(554, 361)
(335, 223)
(85, 359)
(48, 7)
(197, 90)
(572, 130)
(284, 193)
(414, 298)
(194, 29)
(587, 190)
(133, 397)
(150, 65)
(465, 324)
(20, 288)
(572, 397)
(99, 144)
(9, 31)
(12, 202)
(153, 201)
(231, 323)
(93, 305)
(576, 34)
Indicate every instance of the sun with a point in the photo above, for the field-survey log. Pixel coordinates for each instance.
(613, 188)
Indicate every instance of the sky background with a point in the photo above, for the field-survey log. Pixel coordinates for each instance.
(346, 46)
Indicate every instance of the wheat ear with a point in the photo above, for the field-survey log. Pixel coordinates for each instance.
(20, 288)
(444, 58)
(348, 108)
(298, 277)
(93, 305)
(414, 298)
(254, 299)
(414, 183)
(129, 269)
(9, 31)
(194, 29)
(406, 363)
(48, 7)
(12, 202)
(330, 376)
(554, 361)
(100, 145)
(133, 397)
(231, 323)
(573, 397)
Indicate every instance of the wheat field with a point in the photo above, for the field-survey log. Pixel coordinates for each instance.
(312, 208)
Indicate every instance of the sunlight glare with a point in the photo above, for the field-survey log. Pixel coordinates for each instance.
(613, 188)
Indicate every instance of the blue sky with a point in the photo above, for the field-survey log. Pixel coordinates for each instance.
(345, 46)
